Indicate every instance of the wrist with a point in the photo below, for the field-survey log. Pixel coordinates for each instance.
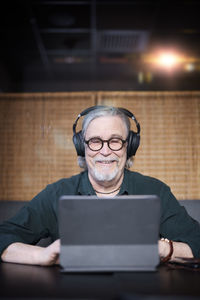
(37, 255)
(167, 250)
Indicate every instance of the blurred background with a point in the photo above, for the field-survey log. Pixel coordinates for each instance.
(59, 57)
(102, 44)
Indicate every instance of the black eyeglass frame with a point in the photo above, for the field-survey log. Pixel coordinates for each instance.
(105, 141)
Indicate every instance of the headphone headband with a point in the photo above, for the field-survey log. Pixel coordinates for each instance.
(133, 137)
(83, 113)
(130, 115)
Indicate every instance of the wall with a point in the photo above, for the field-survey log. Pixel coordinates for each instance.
(36, 138)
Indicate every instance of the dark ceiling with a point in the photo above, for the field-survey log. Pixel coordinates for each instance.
(93, 45)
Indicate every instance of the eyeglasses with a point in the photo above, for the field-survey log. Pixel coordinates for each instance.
(96, 144)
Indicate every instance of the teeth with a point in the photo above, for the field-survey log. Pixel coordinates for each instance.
(105, 162)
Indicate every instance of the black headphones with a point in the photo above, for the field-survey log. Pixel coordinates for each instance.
(133, 137)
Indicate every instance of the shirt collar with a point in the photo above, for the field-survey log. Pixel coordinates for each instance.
(124, 187)
(85, 187)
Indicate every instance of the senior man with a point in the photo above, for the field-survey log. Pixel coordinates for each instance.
(105, 147)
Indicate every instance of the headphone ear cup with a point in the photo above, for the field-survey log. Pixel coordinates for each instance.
(79, 143)
(133, 143)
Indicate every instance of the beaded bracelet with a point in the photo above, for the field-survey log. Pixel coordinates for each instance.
(168, 257)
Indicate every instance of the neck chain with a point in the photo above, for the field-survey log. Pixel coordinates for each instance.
(106, 193)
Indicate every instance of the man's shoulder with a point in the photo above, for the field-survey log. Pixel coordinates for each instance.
(143, 181)
(142, 177)
(67, 185)
(72, 179)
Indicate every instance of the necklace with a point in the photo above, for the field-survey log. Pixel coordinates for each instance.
(107, 192)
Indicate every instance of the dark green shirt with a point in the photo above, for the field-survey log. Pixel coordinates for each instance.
(39, 218)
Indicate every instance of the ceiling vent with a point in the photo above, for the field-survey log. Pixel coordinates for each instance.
(122, 41)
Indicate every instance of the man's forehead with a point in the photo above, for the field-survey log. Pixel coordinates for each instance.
(107, 125)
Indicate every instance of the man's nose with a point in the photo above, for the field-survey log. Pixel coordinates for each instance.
(105, 150)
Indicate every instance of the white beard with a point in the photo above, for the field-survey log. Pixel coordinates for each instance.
(100, 176)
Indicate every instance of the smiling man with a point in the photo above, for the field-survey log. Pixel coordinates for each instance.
(105, 147)
(106, 153)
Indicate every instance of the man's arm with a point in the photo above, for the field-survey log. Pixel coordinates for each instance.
(34, 255)
(179, 249)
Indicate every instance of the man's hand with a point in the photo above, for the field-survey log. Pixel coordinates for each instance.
(32, 255)
(50, 255)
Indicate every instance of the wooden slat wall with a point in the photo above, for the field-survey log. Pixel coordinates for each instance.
(36, 141)
(36, 138)
(170, 136)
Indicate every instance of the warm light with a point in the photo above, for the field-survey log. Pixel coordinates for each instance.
(189, 67)
(145, 77)
(168, 60)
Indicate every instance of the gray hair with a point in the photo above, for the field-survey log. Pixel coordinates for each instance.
(102, 111)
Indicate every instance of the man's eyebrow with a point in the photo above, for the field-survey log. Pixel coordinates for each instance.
(112, 136)
(117, 136)
(94, 137)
